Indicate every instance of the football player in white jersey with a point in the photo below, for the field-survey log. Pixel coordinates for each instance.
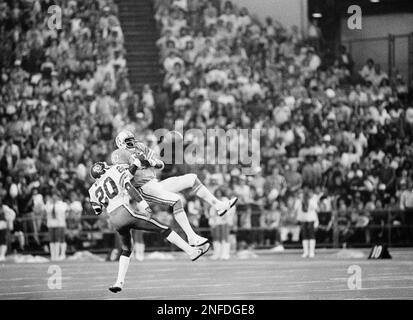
(165, 191)
(113, 191)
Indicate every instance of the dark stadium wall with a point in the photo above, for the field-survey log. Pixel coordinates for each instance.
(379, 25)
(287, 12)
(377, 28)
(379, 18)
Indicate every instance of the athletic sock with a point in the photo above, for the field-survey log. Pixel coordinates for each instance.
(140, 249)
(136, 250)
(183, 222)
(57, 250)
(305, 247)
(223, 250)
(52, 247)
(217, 250)
(3, 250)
(206, 195)
(174, 238)
(123, 268)
(63, 250)
(225, 247)
(312, 247)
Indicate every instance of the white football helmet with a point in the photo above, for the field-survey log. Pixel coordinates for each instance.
(125, 140)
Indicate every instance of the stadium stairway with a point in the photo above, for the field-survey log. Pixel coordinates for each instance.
(140, 32)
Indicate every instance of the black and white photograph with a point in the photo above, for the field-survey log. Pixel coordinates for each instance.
(206, 151)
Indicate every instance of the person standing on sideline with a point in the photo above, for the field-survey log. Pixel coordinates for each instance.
(308, 218)
(7, 217)
(220, 229)
(215, 222)
(56, 209)
(138, 245)
(227, 225)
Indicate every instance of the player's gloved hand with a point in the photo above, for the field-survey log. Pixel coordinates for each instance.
(151, 162)
(97, 208)
(147, 158)
(136, 161)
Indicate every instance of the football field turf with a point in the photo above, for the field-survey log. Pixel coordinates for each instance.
(268, 276)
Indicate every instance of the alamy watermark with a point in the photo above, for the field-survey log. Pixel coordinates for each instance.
(354, 281)
(54, 282)
(54, 22)
(354, 22)
(211, 146)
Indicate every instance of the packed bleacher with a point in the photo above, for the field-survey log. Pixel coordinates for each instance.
(64, 94)
(345, 134)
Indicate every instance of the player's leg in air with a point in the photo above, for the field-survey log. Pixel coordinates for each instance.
(146, 181)
(165, 192)
(153, 191)
(192, 182)
(125, 219)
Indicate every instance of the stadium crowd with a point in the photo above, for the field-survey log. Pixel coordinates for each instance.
(343, 134)
(64, 93)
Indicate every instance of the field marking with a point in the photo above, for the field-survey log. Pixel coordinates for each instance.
(125, 289)
(135, 281)
(276, 292)
(226, 294)
(272, 277)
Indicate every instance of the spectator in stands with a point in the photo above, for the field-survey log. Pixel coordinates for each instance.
(271, 223)
(343, 222)
(368, 69)
(276, 185)
(243, 191)
(289, 229)
(377, 76)
(314, 33)
(64, 95)
(210, 14)
(345, 59)
(293, 178)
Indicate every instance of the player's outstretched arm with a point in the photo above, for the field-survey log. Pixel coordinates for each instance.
(142, 205)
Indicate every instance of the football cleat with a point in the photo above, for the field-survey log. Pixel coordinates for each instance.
(230, 204)
(200, 251)
(117, 287)
(198, 241)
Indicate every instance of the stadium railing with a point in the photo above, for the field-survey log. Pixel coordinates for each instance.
(393, 52)
(391, 227)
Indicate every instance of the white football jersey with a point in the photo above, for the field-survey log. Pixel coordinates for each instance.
(109, 190)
